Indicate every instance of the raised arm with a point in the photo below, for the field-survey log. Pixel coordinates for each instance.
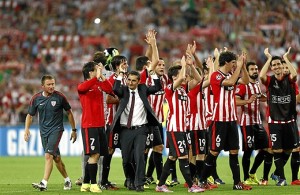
(293, 72)
(245, 76)
(197, 60)
(196, 77)
(149, 48)
(151, 39)
(210, 65)
(264, 70)
(117, 88)
(99, 74)
(232, 80)
(181, 74)
(216, 62)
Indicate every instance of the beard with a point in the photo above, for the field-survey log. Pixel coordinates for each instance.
(254, 76)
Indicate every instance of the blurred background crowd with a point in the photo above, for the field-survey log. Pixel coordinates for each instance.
(58, 36)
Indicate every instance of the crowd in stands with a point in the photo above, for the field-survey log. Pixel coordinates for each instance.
(58, 37)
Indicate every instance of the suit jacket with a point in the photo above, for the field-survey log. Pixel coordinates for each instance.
(144, 91)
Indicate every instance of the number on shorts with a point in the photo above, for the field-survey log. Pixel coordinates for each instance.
(92, 141)
(181, 144)
(273, 137)
(116, 136)
(150, 137)
(250, 139)
(202, 142)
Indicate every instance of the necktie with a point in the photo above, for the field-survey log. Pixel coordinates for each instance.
(131, 110)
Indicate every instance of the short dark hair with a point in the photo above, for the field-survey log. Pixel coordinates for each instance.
(116, 61)
(140, 62)
(46, 77)
(135, 73)
(99, 57)
(173, 71)
(88, 67)
(249, 64)
(226, 56)
(275, 58)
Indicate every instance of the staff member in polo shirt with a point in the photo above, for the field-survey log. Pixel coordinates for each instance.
(50, 104)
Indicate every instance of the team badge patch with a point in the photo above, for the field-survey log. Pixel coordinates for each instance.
(53, 103)
(181, 150)
(219, 77)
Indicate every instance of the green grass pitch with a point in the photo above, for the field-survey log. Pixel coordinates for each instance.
(17, 174)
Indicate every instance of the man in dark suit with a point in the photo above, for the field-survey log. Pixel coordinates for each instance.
(133, 116)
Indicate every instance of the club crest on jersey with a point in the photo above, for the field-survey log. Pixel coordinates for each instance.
(53, 103)
(237, 90)
(219, 77)
(276, 85)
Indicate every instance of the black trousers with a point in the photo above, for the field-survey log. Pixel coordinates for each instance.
(132, 148)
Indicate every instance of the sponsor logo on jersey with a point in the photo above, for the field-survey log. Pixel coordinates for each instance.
(281, 99)
(160, 92)
(229, 88)
(182, 97)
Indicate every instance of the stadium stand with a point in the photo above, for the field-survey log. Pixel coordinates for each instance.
(57, 37)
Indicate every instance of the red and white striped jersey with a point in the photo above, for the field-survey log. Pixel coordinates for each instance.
(178, 102)
(209, 105)
(224, 98)
(197, 120)
(112, 108)
(250, 112)
(156, 101)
